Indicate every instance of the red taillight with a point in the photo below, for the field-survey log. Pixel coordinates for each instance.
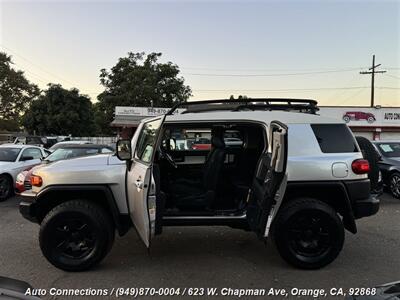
(360, 166)
(36, 180)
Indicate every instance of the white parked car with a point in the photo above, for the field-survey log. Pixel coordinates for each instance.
(13, 160)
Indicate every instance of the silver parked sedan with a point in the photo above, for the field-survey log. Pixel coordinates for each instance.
(13, 160)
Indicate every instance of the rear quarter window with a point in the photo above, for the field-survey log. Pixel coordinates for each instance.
(334, 138)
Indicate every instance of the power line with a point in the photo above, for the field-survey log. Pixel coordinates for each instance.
(396, 77)
(270, 75)
(37, 66)
(280, 90)
(268, 70)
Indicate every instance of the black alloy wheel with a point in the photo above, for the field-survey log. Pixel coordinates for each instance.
(73, 238)
(394, 185)
(308, 233)
(76, 235)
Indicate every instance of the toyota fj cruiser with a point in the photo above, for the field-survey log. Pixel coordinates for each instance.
(289, 173)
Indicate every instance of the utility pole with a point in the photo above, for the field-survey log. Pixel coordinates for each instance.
(372, 72)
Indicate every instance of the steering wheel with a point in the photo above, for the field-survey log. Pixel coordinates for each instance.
(168, 157)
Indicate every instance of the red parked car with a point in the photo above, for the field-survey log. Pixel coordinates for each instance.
(358, 115)
(202, 144)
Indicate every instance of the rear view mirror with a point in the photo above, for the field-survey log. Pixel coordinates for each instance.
(124, 150)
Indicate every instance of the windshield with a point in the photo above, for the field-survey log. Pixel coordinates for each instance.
(390, 149)
(65, 153)
(9, 154)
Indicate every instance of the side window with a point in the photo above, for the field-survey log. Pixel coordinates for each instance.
(33, 152)
(187, 139)
(198, 139)
(334, 138)
(233, 139)
(147, 140)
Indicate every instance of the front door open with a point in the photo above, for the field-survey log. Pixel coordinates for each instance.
(140, 183)
(270, 181)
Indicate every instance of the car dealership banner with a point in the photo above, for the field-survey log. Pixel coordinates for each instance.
(364, 116)
(142, 111)
(353, 116)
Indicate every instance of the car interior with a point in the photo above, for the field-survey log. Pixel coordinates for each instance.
(214, 178)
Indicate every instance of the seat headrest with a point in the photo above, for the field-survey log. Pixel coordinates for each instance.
(217, 142)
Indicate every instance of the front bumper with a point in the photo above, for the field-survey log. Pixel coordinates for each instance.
(366, 207)
(27, 207)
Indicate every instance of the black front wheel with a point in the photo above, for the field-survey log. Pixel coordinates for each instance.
(76, 235)
(394, 185)
(6, 187)
(308, 233)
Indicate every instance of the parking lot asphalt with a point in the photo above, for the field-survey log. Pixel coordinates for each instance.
(206, 257)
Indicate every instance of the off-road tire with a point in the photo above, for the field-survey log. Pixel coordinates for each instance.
(372, 156)
(7, 181)
(99, 228)
(308, 210)
(395, 177)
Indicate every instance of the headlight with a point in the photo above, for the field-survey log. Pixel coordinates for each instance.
(20, 178)
(36, 180)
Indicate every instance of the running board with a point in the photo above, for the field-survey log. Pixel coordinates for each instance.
(233, 221)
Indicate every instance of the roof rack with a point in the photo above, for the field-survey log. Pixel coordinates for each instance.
(266, 104)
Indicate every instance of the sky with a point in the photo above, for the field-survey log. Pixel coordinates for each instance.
(302, 49)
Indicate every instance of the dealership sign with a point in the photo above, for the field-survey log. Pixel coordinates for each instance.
(364, 116)
(142, 111)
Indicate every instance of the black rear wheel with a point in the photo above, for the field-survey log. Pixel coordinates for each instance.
(6, 187)
(308, 233)
(76, 235)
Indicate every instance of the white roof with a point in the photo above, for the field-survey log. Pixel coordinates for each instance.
(19, 146)
(74, 142)
(260, 116)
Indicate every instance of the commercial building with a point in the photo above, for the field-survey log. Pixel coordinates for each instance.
(374, 123)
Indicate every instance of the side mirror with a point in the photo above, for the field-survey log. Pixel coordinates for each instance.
(124, 150)
(25, 158)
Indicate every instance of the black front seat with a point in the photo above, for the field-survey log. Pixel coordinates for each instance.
(192, 192)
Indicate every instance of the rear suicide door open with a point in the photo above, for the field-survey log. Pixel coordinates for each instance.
(269, 183)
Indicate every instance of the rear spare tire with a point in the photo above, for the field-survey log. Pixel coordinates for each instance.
(76, 235)
(372, 156)
(308, 233)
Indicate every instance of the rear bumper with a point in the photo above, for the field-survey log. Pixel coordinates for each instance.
(364, 203)
(366, 207)
(27, 207)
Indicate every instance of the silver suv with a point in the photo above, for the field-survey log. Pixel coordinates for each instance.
(271, 166)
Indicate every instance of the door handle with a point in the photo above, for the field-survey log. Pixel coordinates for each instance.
(139, 184)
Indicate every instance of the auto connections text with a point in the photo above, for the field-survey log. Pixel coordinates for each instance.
(135, 292)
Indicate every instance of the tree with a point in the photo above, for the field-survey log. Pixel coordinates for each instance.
(16, 94)
(140, 80)
(62, 112)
